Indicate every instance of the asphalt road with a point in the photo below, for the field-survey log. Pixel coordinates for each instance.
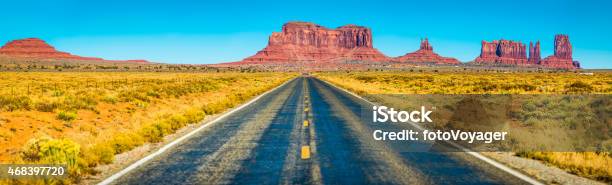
(306, 132)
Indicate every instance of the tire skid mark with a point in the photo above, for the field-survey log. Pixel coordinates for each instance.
(390, 168)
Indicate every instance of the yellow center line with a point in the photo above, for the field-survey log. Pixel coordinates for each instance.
(305, 152)
(305, 123)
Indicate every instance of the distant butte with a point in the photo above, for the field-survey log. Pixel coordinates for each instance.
(308, 42)
(507, 52)
(562, 58)
(304, 43)
(39, 49)
(425, 54)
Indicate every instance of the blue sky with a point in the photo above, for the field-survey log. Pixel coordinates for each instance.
(218, 31)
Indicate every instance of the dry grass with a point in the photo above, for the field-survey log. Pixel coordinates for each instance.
(109, 113)
(470, 83)
(588, 164)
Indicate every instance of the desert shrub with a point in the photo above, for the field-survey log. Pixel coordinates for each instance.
(31, 150)
(579, 87)
(60, 151)
(155, 132)
(52, 151)
(101, 153)
(366, 79)
(131, 96)
(12, 103)
(154, 94)
(524, 87)
(47, 106)
(81, 102)
(194, 115)
(110, 99)
(45, 150)
(213, 108)
(150, 134)
(177, 121)
(125, 141)
(66, 116)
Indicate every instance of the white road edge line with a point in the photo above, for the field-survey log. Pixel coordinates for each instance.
(467, 150)
(168, 146)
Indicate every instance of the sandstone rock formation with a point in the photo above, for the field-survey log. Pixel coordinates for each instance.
(534, 53)
(504, 52)
(562, 57)
(513, 53)
(425, 54)
(39, 49)
(308, 42)
(36, 48)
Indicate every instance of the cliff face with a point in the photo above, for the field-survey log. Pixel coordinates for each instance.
(39, 49)
(301, 41)
(502, 52)
(513, 53)
(534, 53)
(425, 54)
(562, 57)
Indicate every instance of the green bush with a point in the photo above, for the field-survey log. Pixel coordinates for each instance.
(59, 151)
(51, 151)
(66, 116)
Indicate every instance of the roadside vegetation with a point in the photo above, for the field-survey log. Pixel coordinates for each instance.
(567, 108)
(83, 119)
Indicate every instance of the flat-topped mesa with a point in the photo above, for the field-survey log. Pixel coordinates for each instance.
(562, 58)
(37, 48)
(504, 52)
(303, 41)
(425, 54)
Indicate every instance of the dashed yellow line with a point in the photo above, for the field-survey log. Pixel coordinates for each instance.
(305, 152)
(305, 123)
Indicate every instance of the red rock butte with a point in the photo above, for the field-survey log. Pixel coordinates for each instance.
(507, 52)
(39, 49)
(425, 54)
(562, 58)
(308, 42)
